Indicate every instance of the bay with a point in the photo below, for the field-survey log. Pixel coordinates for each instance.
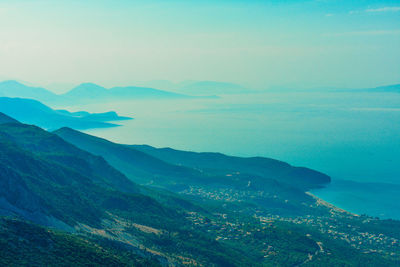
(351, 136)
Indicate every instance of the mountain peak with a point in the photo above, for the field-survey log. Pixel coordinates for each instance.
(87, 90)
(13, 88)
(19, 85)
(89, 87)
(66, 130)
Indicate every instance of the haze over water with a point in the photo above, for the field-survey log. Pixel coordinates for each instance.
(312, 83)
(259, 44)
(351, 136)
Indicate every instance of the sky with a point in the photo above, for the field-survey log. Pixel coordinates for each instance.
(259, 44)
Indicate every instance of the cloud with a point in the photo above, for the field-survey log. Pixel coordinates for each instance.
(376, 10)
(384, 9)
(364, 33)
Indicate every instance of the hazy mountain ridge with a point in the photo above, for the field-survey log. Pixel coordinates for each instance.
(395, 88)
(199, 88)
(141, 167)
(104, 116)
(392, 88)
(38, 168)
(92, 92)
(84, 93)
(16, 89)
(145, 167)
(266, 167)
(34, 112)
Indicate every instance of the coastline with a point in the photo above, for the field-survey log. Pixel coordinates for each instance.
(325, 203)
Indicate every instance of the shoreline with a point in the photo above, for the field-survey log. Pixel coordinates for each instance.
(329, 205)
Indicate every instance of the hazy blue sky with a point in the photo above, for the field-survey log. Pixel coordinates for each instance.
(256, 43)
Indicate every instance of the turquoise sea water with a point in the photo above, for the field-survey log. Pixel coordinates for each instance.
(349, 136)
(375, 199)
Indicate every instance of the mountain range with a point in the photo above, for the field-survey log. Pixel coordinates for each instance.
(90, 92)
(50, 182)
(93, 92)
(71, 198)
(395, 88)
(257, 166)
(16, 89)
(179, 171)
(84, 93)
(34, 112)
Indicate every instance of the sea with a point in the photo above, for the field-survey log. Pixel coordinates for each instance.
(354, 137)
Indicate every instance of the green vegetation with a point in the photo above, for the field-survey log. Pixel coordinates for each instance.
(25, 244)
(209, 216)
(6, 119)
(179, 171)
(256, 166)
(339, 253)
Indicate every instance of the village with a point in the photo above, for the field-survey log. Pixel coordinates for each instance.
(336, 223)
